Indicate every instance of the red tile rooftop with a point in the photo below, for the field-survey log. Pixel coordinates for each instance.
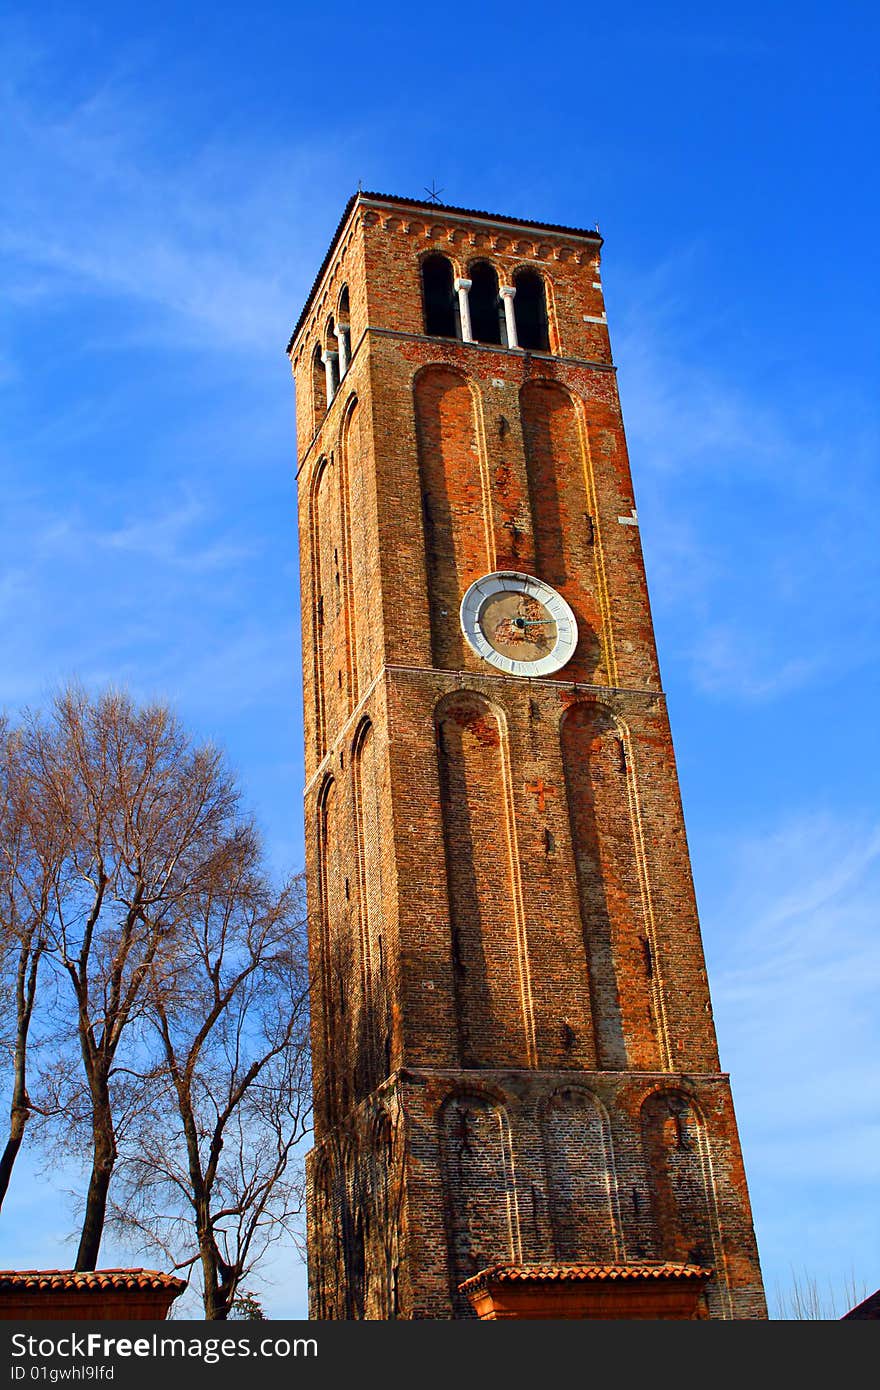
(88, 1279)
(505, 1273)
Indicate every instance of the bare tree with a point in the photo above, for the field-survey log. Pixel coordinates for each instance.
(30, 859)
(168, 977)
(215, 1184)
(143, 816)
(805, 1300)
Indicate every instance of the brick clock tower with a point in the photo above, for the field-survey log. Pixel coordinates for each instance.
(519, 1110)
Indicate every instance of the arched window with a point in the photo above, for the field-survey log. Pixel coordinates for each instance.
(441, 303)
(530, 307)
(487, 311)
(330, 358)
(319, 385)
(343, 332)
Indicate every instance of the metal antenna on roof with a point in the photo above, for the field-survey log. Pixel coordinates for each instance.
(434, 192)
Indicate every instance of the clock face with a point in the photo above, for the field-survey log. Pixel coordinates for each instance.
(518, 624)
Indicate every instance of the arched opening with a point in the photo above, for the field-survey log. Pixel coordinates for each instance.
(441, 303)
(319, 386)
(343, 332)
(487, 310)
(330, 358)
(530, 305)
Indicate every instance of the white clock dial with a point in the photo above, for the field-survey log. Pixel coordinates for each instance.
(518, 624)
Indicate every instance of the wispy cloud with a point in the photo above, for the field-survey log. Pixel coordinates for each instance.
(126, 596)
(148, 500)
(207, 242)
(170, 538)
(793, 950)
(796, 980)
(727, 661)
(750, 501)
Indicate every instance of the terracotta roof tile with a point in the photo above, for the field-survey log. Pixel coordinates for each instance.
(548, 1273)
(87, 1280)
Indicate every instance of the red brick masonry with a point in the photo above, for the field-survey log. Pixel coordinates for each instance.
(513, 1052)
(96, 1296)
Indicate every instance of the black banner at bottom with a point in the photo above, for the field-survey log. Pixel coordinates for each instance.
(265, 1355)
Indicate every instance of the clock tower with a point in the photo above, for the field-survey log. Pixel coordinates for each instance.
(519, 1108)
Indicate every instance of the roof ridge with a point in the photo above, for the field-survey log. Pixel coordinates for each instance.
(587, 1270)
(89, 1278)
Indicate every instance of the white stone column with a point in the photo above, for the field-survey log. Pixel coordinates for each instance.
(329, 359)
(463, 286)
(508, 294)
(344, 341)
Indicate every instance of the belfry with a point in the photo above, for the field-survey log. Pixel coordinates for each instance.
(519, 1109)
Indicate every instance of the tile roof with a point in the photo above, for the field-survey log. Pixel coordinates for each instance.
(868, 1309)
(88, 1280)
(438, 209)
(549, 1273)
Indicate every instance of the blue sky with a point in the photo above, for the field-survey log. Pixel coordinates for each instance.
(171, 176)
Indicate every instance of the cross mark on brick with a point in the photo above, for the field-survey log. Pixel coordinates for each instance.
(541, 790)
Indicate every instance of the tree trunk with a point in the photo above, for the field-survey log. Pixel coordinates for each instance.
(104, 1157)
(220, 1282)
(19, 1110)
(18, 1118)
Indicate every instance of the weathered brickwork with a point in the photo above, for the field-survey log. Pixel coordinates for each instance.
(513, 1051)
(443, 1173)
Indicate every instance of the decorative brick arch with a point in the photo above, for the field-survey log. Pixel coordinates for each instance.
(329, 904)
(535, 322)
(482, 1215)
(437, 276)
(455, 512)
(562, 502)
(581, 1176)
(620, 951)
(317, 606)
(365, 600)
(370, 792)
(489, 951)
(677, 1156)
(331, 618)
(325, 1249)
(318, 379)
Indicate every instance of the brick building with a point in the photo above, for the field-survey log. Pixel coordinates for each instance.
(96, 1295)
(515, 1063)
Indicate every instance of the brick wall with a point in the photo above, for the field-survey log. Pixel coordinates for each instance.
(510, 1009)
